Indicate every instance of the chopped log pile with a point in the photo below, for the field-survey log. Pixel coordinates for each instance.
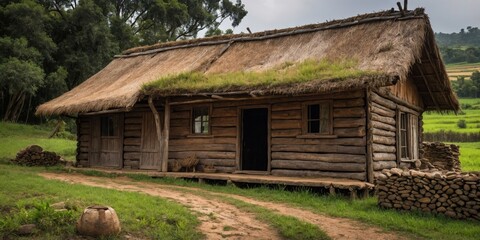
(453, 194)
(35, 156)
(442, 156)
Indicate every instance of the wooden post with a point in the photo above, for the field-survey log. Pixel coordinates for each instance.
(157, 126)
(166, 135)
(369, 162)
(332, 191)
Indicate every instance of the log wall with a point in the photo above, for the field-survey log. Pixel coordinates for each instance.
(83, 140)
(384, 129)
(292, 153)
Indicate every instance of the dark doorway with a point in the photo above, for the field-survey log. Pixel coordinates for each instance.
(255, 139)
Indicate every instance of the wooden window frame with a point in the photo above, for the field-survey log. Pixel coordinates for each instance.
(192, 121)
(409, 135)
(305, 132)
(114, 130)
(404, 131)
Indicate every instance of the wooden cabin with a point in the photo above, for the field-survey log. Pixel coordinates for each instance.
(139, 112)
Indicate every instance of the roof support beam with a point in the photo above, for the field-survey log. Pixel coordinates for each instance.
(157, 127)
(428, 88)
(166, 135)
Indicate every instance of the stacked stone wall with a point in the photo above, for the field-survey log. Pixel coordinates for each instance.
(440, 156)
(450, 193)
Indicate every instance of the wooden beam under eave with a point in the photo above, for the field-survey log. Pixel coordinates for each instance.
(428, 88)
(166, 135)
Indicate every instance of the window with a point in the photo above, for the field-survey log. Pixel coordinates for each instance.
(318, 118)
(404, 136)
(200, 120)
(407, 136)
(107, 126)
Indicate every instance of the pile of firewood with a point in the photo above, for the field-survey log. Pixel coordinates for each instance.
(35, 156)
(442, 156)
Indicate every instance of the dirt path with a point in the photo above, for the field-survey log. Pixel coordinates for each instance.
(245, 225)
(214, 215)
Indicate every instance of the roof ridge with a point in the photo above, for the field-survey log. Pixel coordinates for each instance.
(359, 19)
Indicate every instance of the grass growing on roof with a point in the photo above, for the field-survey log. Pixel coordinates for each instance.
(284, 74)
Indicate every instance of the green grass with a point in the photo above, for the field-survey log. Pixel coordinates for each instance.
(285, 74)
(25, 198)
(15, 137)
(470, 156)
(413, 224)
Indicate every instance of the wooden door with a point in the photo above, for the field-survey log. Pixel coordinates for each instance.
(150, 147)
(107, 141)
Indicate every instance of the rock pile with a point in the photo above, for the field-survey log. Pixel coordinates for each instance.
(35, 156)
(442, 156)
(450, 193)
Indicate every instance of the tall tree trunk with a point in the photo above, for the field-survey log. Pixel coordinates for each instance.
(14, 106)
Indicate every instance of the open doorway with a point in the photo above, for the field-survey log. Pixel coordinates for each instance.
(254, 139)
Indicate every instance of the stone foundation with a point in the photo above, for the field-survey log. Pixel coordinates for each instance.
(440, 156)
(450, 193)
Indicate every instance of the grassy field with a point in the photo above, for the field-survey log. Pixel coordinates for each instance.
(461, 69)
(469, 151)
(15, 137)
(26, 198)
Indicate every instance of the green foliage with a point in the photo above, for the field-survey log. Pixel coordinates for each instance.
(467, 88)
(462, 123)
(469, 155)
(285, 74)
(26, 198)
(17, 76)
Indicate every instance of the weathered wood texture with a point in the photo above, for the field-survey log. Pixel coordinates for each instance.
(290, 153)
(83, 140)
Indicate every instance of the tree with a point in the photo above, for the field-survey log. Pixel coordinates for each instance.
(476, 82)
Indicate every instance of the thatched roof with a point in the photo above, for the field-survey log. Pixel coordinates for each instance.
(389, 44)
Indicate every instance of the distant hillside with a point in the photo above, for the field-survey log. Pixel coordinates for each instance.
(463, 46)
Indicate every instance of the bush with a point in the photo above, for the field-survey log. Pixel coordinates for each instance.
(462, 123)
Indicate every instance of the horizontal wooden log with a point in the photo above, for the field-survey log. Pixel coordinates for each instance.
(180, 131)
(386, 120)
(350, 132)
(202, 140)
(384, 133)
(286, 106)
(300, 173)
(224, 131)
(82, 156)
(378, 148)
(287, 115)
(84, 137)
(382, 111)
(383, 140)
(319, 166)
(132, 141)
(83, 149)
(382, 101)
(348, 122)
(84, 131)
(224, 112)
(384, 157)
(380, 125)
(334, 141)
(180, 115)
(379, 165)
(184, 122)
(131, 155)
(286, 124)
(134, 148)
(219, 162)
(203, 154)
(133, 133)
(349, 112)
(84, 144)
(223, 169)
(345, 103)
(136, 120)
(224, 122)
(286, 132)
(324, 148)
(131, 163)
(203, 147)
(133, 127)
(329, 157)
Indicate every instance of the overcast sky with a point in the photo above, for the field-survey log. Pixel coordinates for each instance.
(445, 15)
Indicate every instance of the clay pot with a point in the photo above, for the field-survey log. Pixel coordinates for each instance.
(98, 221)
